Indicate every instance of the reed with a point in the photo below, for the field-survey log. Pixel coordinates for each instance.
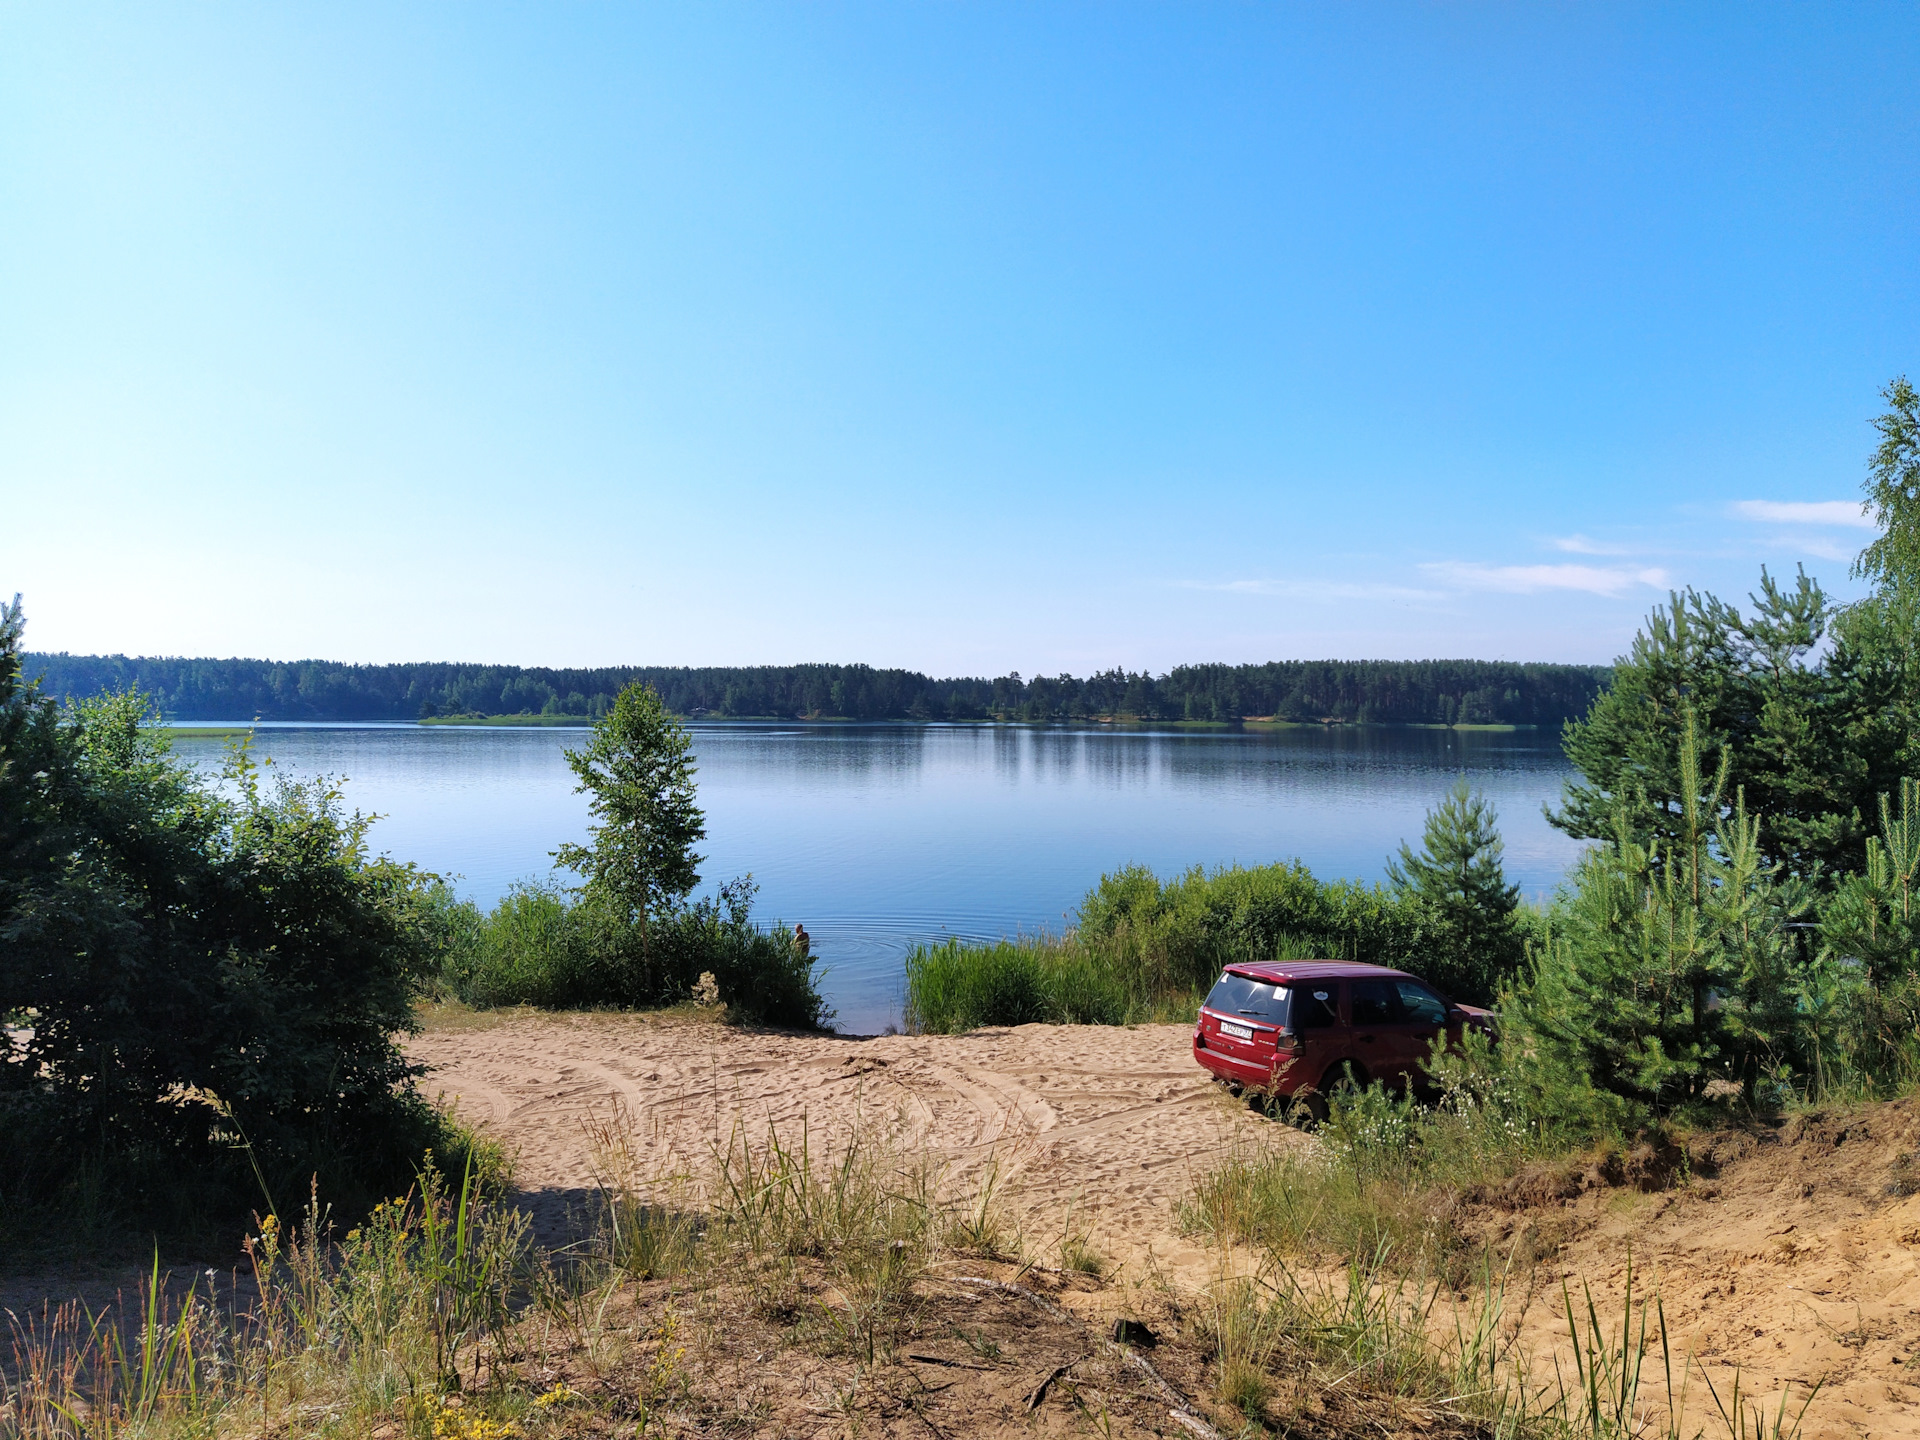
(952, 988)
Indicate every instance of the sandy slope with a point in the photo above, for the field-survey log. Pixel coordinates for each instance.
(1792, 1255)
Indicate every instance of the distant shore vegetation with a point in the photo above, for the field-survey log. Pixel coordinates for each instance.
(1379, 692)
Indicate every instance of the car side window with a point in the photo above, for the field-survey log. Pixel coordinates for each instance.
(1374, 1003)
(1419, 1005)
(1315, 1007)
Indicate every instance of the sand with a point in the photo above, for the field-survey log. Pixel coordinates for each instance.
(1793, 1256)
(1091, 1130)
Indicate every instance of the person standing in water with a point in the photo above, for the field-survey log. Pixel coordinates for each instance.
(802, 942)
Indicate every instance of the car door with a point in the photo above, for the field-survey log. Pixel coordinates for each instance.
(1423, 1015)
(1377, 1042)
(1313, 1015)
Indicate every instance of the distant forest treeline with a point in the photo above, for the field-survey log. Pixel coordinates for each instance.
(1393, 692)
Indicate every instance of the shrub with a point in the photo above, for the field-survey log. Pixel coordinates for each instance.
(542, 948)
(203, 985)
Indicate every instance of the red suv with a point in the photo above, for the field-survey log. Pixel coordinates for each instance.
(1291, 1027)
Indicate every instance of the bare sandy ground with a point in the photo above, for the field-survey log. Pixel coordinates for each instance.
(1794, 1258)
(1090, 1130)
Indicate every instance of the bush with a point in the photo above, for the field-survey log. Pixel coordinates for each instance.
(539, 947)
(1174, 937)
(1150, 949)
(203, 985)
(628, 938)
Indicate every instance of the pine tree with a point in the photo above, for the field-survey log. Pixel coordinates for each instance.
(1675, 963)
(1459, 879)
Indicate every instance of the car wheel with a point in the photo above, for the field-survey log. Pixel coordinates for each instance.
(1344, 1080)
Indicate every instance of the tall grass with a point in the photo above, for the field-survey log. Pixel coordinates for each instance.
(436, 1319)
(952, 987)
(388, 1320)
(540, 946)
(1328, 1348)
(1389, 1167)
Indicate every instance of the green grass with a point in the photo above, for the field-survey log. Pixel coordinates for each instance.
(541, 947)
(510, 721)
(953, 988)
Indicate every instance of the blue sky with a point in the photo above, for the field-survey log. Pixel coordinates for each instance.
(959, 336)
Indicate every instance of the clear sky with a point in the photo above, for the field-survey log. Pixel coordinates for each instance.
(966, 337)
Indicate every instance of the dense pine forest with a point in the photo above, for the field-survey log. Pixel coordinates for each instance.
(1390, 692)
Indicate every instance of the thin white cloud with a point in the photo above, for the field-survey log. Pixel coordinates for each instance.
(1822, 549)
(1531, 579)
(1581, 545)
(1805, 512)
(1305, 589)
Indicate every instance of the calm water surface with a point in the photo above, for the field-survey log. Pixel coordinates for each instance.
(878, 835)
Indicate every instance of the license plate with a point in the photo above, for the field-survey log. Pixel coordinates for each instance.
(1238, 1032)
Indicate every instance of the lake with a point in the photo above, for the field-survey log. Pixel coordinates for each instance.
(875, 836)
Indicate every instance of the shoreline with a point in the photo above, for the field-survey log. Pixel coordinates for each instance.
(1254, 724)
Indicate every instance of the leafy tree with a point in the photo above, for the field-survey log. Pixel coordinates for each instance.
(638, 769)
(1459, 879)
(1893, 493)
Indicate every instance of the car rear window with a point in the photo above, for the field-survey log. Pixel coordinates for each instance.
(1243, 995)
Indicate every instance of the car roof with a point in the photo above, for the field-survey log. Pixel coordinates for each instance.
(1279, 972)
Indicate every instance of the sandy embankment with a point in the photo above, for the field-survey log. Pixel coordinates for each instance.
(1798, 1262)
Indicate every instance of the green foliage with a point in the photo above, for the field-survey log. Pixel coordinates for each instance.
(628, 937)
(1459, 878)
(1390, 692)
(539, 947)
(1147, 948)
(1675, 964)
(1874, 917)
(638, 769)
(953, 988)
(203, 986)
(1173, 937)
(1809, 740)
(1893, 494)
